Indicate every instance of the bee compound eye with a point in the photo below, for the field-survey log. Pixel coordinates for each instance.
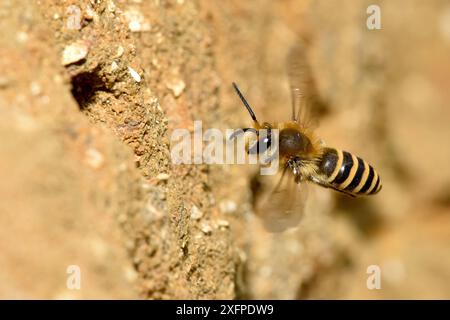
(293, 142)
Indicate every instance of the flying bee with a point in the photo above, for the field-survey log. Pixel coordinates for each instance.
(300, 150)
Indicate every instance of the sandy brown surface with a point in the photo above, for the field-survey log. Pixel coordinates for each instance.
(86, 176)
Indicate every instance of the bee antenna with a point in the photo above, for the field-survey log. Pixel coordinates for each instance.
(249, 109)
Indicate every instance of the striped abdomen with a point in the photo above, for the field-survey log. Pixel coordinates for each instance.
(346, 172)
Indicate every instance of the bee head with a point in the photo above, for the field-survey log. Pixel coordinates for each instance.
(265, 141)
(292, 142)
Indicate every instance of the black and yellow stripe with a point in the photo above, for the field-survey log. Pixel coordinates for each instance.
(348, 173)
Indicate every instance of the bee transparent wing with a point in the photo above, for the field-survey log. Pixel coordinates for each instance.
(301, 83)
(281, 202)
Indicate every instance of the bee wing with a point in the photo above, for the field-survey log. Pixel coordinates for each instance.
(280, 207)
(301, 83)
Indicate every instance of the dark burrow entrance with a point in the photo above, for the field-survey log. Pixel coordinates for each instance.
(84, 87)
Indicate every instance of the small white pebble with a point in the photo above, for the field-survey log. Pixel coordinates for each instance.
(114, 66)
(120, 51)
(111, 6)
(136, 21)
(74, 52)
(162, 176)
(94, 158)
(22, 37)
(177, 87)
(227, 206)
(223, 224)
(89, 14)
(206, 229)
(196, 213)
(134, 26)
(134, 74)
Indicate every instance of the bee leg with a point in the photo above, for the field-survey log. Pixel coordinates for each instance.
(242, 131)
(298, 176)
(293, 165)
(290, 164)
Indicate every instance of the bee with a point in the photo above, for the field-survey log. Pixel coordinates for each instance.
(302, 152)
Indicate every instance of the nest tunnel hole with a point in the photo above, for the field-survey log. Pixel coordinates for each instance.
(85, 85)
